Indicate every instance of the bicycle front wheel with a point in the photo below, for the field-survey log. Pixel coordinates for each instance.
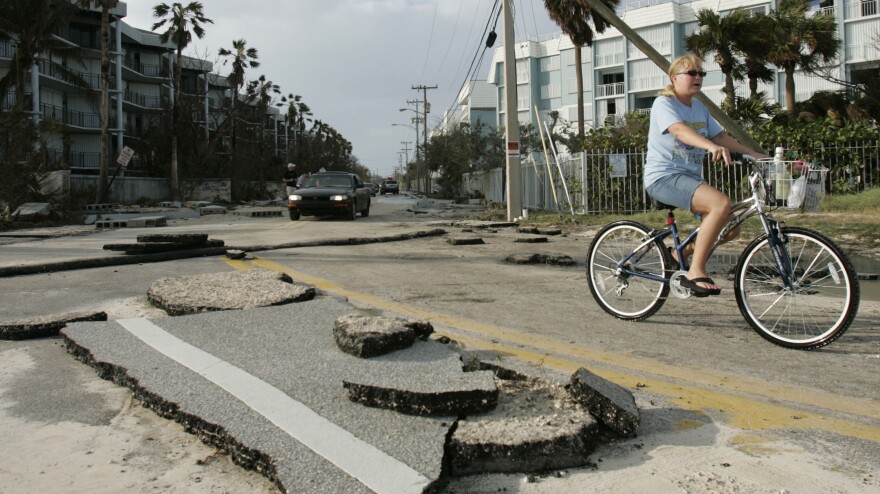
(821, 301)
(618, 250)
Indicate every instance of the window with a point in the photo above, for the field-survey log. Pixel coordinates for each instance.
(522, 71)
(522, 99)
(550, 91)
(549, 64)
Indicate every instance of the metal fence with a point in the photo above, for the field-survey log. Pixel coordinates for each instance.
(611, 181)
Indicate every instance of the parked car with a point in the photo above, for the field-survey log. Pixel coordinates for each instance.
(330, 193)
(389, 187)
(373, 188)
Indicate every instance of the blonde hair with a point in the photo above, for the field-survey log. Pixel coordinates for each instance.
(681, 64)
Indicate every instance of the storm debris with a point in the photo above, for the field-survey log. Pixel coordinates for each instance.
(552, 259)
(465, 241)
(612, 404)
(370, 336)
(44, 326)
(226, 291)
(466, 393)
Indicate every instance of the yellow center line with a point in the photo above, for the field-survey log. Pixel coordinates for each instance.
(747, 403)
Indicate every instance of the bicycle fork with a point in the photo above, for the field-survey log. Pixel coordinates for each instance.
(778, 246)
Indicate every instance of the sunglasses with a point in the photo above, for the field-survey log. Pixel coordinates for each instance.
(694, 73)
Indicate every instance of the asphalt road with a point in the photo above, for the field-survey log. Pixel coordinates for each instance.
(695, 358)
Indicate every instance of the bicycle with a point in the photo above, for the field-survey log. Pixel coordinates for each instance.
(794, 286)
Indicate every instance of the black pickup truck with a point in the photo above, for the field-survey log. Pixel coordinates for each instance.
(330, 193)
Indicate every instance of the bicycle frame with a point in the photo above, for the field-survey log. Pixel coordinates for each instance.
(740, 212)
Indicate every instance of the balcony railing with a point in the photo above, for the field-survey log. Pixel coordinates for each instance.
(861, 8)
(54, 70)
(609, 59)
(7, 49)
(142, 100)
(79, 159)
(75, 118)
(149, 70)
(614, 89)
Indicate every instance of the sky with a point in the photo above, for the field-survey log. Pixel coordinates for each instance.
(355, 62)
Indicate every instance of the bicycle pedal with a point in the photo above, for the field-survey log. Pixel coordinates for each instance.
(675, 285)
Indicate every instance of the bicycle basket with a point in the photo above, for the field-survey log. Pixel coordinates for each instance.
(795, 185)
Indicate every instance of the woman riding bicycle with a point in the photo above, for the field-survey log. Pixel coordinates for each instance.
(681, 133)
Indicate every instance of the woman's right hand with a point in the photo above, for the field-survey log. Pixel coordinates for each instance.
(720, 153)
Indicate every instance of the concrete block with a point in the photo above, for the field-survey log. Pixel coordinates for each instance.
(258, 213)
(145, 221)
(205, 210)
(32, 209)
(96, 208)
(170, 204)
(465, 241)
(611, 404)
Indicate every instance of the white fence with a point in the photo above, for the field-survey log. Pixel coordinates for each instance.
(611, 181)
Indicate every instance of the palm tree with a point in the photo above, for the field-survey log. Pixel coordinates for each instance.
(242, 59)
(182, 22)
(104, 166)
(751, 45)
(261, 92)
(798, 41)
(572, 17)
(716, 35)
(298, 113)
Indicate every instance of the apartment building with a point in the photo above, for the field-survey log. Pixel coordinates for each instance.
(141, 92)
(619, 78)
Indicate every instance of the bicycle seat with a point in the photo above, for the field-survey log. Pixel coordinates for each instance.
(659, 205)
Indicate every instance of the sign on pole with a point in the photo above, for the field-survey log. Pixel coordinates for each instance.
(125, 156)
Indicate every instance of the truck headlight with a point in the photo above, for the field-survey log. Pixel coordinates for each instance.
(295, 197)
(340, 197)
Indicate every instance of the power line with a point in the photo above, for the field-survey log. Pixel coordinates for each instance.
(430, 38)
(481, 50)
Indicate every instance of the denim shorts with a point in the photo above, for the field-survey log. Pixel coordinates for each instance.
(676, 190)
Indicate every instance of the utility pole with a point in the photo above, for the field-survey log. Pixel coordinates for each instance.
(426, 107)
(514, 181)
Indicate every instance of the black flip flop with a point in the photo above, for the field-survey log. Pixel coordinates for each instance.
(698, 290)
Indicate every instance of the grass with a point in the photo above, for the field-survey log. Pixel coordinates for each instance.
(851, 220)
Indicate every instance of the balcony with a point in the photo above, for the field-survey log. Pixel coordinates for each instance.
(607, 90)
(861, 8)
(7, 50)
(55, 71)
(75, 118)
(609, 59)
(142, 100)
(148, 70)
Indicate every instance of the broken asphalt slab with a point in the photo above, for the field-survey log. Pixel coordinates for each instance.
(226, 291)
(308, 436)
(611, 403)
(44, 326)
(109, 259)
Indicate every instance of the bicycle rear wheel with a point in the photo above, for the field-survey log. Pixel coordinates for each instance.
(623, 295)
(820, 305)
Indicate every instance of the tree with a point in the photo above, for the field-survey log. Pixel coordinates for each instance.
(751, 44)
(182, 22)
(800, 41)
(243, 58)
(573, 16)
(716, 35)
(104, 165)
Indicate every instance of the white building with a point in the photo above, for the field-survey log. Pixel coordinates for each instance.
(619, 78)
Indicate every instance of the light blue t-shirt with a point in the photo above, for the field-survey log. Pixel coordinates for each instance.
(666, 154)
